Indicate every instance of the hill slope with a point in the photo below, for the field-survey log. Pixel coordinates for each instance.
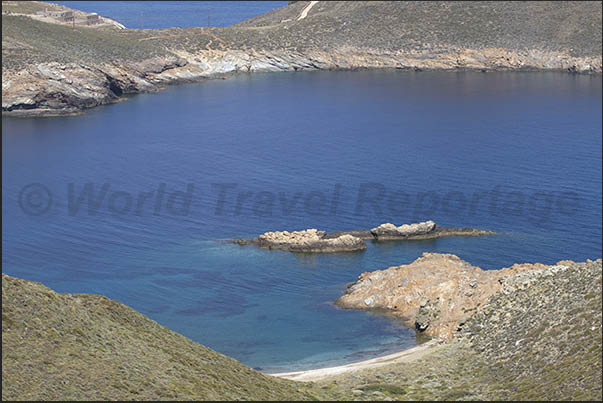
(56, 69)
(408, 25)
(538, 339)
(79, 346)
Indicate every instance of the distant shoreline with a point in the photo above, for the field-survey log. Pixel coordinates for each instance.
(54, 69)
(77, 109)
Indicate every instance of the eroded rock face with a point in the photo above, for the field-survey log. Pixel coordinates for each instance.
(310, 240)
(436, 293)
(390, 231)
(55, 88)
(428, 312)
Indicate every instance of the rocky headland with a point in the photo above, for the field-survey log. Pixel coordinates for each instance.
(51, 68)
(537, 338)
(437, 293)
(315, 241)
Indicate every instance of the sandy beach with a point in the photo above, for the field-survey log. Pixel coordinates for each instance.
(403, 356)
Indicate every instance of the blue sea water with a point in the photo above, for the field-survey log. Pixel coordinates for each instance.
(169, 14)
(517, 153)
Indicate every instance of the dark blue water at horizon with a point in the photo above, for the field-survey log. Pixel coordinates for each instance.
(523, 148)
(170, 14)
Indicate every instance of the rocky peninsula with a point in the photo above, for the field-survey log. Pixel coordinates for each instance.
(537, 338)
(51, 68)
(437, 293)
(315, 241)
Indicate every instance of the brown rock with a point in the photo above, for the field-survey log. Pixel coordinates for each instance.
(433, 294)
(308, 241)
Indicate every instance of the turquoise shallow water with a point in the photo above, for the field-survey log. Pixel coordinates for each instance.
(517, 153)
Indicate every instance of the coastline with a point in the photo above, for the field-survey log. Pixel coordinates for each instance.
(404, 356)
(434, 115)
(519, 346)
(28, 110)
(52, 69)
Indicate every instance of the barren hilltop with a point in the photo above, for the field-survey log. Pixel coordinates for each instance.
(57, 68)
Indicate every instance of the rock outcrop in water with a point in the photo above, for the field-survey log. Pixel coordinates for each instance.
(389, 231)
(436, 232)
(315, 241)
(421, 230)
(438, 292)
(56, 69)
(310, 241)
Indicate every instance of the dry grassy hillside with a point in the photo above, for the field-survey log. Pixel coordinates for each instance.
(88, 347)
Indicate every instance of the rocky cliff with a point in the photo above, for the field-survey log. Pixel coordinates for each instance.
(56, 69)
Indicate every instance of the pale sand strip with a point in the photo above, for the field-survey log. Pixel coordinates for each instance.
(403, 356)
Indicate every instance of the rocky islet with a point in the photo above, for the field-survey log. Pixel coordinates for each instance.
(317, 241)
